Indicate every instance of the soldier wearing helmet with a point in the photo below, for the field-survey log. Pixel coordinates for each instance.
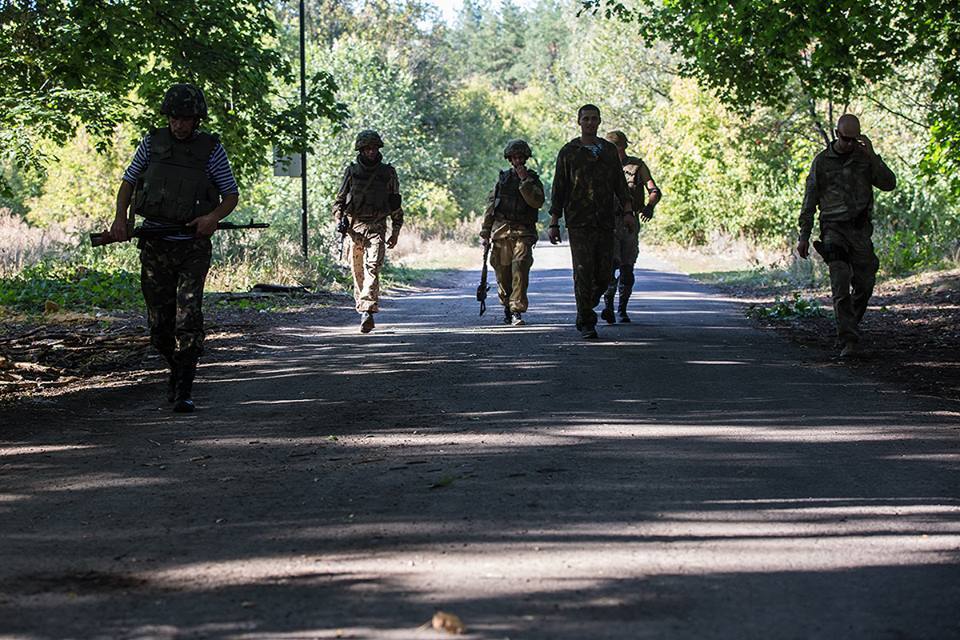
(179, 180)
(369, 194)
(510, 223)
(626, 244)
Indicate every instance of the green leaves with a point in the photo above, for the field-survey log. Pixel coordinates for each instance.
(99, 64)
(762, 53)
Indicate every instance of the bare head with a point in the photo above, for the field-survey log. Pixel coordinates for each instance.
(588, 117)
(848, 133)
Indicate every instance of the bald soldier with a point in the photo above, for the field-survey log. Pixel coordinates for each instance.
(590, 193)
(644, 196)
(511, 224)
(840, 185)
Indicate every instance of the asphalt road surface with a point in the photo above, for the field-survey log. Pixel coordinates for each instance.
(686, 476)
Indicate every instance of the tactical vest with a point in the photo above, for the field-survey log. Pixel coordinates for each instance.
(175, 186)
(369, 195)
(509, 204)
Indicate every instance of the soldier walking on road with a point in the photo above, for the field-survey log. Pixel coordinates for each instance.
(590, 191)
(840, 184)
(368, 195)
(179, 176)
(511, 223)
(626, 243)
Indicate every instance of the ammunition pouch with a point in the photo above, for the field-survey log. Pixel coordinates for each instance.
(830, 252)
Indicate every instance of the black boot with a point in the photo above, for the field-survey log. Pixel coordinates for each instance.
(507, 315)
(607, 313)
(625, 289)
(183, 403)
(172, 377)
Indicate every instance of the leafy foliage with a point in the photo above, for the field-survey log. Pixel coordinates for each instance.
(787, 308)
(100, 64)
(753, 52)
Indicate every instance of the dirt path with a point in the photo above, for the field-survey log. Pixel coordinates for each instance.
(687, 476)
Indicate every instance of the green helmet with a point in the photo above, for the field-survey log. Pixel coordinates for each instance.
(517, 147)
(618, 138)
(368, 137)
(184, 101)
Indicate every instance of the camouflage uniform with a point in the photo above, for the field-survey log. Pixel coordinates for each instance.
(175, 182)
(626, 244)
(587, 185)
(510, 223)
(368, 195)
(172, 275)
(841, 186)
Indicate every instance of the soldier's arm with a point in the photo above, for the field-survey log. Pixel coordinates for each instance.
(620, 187)
(883, 178)
(487, 227)
(561, 186)
(396, 204)
(340, 202)
(811, 197)
(531, 190)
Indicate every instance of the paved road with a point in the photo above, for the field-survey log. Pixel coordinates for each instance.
(687, 476)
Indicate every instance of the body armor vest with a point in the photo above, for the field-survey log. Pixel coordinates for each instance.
(175, 186)
(369, 195)
(509, 204)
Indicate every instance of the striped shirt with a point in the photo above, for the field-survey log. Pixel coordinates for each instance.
(218, 170)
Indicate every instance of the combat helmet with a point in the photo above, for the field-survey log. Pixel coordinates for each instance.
(184, 101)
(517, 147)
(366, 138)
(618, 138)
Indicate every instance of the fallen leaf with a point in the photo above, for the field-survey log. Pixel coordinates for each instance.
(443, 621)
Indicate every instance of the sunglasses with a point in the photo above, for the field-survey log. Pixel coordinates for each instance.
(847, 138)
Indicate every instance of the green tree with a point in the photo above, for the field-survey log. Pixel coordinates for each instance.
(67, 63)
(753, 52)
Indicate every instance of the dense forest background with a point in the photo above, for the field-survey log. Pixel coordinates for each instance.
(446, 98)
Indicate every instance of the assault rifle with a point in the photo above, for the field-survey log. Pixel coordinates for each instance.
(484, 287)
(343, 226)
(102, 238)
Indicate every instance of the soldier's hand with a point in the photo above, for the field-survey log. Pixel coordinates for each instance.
(204, 225)
(867, 144)
(392, 240)
(803, 248)
(553, 233)
(522, 172)
(647, 214)
(118, 230)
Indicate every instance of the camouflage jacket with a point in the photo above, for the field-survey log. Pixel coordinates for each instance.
(841, 185)
(588, 188)
(637, 175)
(364, 194)
(497, 227)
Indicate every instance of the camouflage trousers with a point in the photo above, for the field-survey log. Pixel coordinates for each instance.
(592, 252)
(172, 275)
(852, 278)
(511, 259)
(368, 249)
(626, 250)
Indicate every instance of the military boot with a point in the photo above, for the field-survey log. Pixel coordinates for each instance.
(607, 313)
(172, 377)
(366, 322)
(622, 308)
(183, 402)
(507, 315)
(516, 319)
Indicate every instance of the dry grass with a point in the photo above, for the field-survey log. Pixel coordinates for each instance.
(22, 245)
(459, 248)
